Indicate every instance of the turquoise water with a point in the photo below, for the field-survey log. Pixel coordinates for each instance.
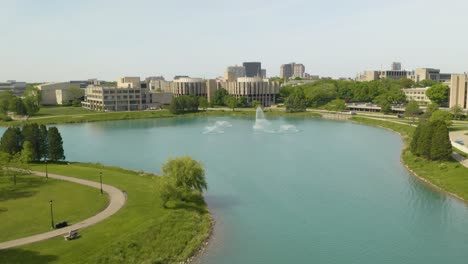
(333, 192)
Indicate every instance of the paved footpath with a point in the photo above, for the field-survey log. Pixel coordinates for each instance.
(117, 200)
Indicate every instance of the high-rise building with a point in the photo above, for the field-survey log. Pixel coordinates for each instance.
(263, 73)
(396, 66)
(287, 70)
(253, 69)
(458, 90)
(299, 70)
(234, 72)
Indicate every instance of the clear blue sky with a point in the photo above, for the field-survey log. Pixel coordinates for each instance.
(58, 40)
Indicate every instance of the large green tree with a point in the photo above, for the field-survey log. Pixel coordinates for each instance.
(438, 93)
(336, 105)
(441, 148)
(231, 102)
(203, 103)
(440, 115)
(32, 134)
(44, 142)
(187, 173)
(218, 97)
(55, 147)
(430, 109)
(5, 98)
(457, 111)
(17, 106)
(184, 103)
(424, 141)
(11, 141)
(296, 102)
(412, 109)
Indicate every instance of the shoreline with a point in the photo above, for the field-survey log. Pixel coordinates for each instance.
(204, 244)
(413, 173)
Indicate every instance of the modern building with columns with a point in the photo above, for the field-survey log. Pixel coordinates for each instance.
(458, 90)
(188, 86)
(254, 89)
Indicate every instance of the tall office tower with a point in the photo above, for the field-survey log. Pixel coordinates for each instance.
(253, 69)
(287, 70)
(396, 66)
(263, 73)
(235, 72)
(299, 70)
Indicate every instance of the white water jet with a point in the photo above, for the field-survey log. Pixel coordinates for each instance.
(288, 128)
(263, 125)
(217, 128)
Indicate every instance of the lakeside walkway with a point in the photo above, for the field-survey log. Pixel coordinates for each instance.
(117, 200)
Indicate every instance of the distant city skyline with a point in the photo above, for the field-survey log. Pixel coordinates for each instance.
(69, 40)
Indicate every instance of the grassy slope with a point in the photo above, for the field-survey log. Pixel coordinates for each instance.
(451, 176)
(24, 208)
(141, 232)
(61, 110)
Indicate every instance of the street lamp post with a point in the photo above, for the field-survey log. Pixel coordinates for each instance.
(100, 179)
(51, 215)
(46, 173)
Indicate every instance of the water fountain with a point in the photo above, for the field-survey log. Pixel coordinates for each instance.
(263, 125)
(217, 128)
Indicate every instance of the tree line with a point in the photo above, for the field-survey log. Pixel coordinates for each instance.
(221, 97)
(385, 93)
(28, 104)
(431, 141)
(33, 142)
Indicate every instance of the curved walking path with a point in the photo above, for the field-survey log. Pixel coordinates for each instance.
(117, 200)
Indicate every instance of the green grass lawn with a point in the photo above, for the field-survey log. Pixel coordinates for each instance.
(61, 110)
(449, 175)
(141, 232)
(25, 209)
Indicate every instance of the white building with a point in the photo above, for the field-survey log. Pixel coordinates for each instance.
(254, 89)
(418, 95)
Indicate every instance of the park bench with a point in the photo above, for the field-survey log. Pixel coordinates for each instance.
(61, 224)
(73, 234)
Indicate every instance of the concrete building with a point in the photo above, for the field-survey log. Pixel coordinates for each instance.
(418, 95)
(396, 75)
(396, 66)
(254, 88)
(299, 70)
(421, 74)
(17, 88)
(129, 82)
(367, 76)
(264, 74)
(287, 70)
(417, 75)
(61, 93)
(189, 86)
(458, 90)
(230, 76)
(129, 95)
(234, 72)
(113, 98)
(253, 69)
(157, 83)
